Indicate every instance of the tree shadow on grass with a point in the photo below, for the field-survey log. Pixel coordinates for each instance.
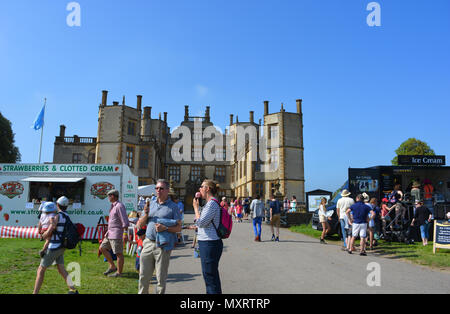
(395, 251)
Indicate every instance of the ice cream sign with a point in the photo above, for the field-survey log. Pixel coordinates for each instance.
(11, 189)
(101, 189)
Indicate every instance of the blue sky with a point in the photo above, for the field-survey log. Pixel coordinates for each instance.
(364, 89)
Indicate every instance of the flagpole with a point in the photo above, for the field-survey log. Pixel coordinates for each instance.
(42, 132)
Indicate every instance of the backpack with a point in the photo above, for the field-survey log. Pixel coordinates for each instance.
(225, 223)
(69, 236)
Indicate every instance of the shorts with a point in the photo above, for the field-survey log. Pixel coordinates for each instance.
(116, 245)
(53, 256)
(359, 229)
(322, 218)
(348, 232)
(275, 220)
(239, 215)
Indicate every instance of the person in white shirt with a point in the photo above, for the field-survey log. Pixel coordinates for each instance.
(323, 219)
(342, 205)
(293, 204)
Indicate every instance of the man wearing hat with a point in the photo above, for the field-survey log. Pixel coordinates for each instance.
(55, 251)
(342, 205)
(415, 191)
(116, 235)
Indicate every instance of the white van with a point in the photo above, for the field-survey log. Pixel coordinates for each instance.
(24, 186)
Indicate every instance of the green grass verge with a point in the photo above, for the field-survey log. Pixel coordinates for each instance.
(415, 253)
(20, 260)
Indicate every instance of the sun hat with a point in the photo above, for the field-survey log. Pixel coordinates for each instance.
(114, 192)
(49, 207)
(416, 184)
(366, 197)
(345, 192)
(63, 201)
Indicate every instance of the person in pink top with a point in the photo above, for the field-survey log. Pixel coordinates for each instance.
(238, 206)
(384, 211)
(116, 235)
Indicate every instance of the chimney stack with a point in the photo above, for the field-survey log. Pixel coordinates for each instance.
(266, 107)
(104, 97)
(115, 103)
(251, 116)
(139, 102)
(123, 100)
(186, 113)
(231, 119)
(165, 117)
(147, 112)
(207, 117)
(299, 106)
(62, 130)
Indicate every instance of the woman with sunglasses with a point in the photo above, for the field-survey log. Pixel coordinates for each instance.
(210, 244)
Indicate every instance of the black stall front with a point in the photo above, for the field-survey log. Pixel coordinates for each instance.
(426, 173)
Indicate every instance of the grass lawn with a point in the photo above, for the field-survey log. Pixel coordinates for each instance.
(415, 253)
(20, 260)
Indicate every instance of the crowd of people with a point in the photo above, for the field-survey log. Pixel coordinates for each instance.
(159, 225)
(363, 218)
(158, 230)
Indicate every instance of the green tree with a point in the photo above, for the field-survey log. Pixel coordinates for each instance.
(412, 146)
(9, 153)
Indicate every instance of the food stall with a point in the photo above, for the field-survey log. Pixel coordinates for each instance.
(24, 186)
(379, 181)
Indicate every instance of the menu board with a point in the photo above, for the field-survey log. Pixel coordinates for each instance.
(441, 235)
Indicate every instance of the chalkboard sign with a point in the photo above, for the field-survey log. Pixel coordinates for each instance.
(441, 235)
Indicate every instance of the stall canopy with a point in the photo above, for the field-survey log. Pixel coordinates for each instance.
(54, 179)
(146, 190)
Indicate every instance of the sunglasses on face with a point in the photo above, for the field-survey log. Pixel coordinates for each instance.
(159, 188)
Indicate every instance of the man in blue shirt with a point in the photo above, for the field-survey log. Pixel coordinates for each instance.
(152, 255)
(358, 217)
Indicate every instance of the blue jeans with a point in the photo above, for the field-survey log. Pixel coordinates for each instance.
(424, 231)
(210, 253)
(428, 202)
(344, 233)
(257, 222)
